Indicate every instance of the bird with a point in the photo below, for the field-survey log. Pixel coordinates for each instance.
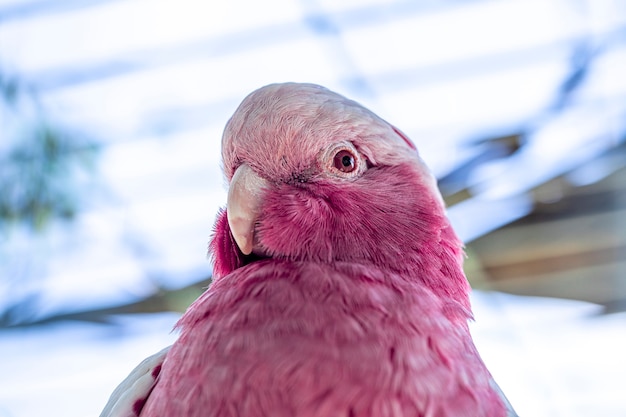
(338, 287)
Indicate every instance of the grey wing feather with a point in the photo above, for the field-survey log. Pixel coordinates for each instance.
(510, 412)
(128, 398)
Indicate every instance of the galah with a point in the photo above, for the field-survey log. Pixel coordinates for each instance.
(338, 288)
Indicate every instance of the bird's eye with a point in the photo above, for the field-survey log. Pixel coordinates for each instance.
(344, 161)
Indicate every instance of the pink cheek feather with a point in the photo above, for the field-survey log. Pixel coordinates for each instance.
(388, 218)
(375, 219)
(223, 250)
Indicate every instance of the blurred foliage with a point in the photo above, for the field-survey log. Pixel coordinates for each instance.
(41, 163)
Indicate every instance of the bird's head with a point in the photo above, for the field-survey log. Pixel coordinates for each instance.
(316, 177)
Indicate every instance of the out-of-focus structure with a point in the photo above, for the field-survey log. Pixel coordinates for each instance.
(519, 107)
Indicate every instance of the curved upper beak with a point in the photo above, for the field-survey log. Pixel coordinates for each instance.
(244, 206)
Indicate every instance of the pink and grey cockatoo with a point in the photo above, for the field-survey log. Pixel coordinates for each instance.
(338, 285)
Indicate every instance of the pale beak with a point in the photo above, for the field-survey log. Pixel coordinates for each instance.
(244, 206)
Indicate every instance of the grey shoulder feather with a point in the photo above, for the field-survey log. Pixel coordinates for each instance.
(128, 398)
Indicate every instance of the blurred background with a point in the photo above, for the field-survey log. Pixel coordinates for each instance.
(111, 114)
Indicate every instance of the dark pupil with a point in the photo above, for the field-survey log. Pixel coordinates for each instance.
(344, 161)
